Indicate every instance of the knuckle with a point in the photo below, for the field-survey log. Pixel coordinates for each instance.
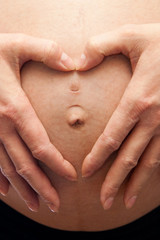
(129, 163)
(112, 189)
(152, 163)
(50, 50)
(110, 142)
(9, 172)
(40, 151)
(12, 109)
(8, 111)
(143, 104)
(146, 103)
(24, 170)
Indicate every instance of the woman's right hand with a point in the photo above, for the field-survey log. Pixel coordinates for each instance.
(23, 138)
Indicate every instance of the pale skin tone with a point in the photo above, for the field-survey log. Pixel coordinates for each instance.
(18, 120)
(138, 111)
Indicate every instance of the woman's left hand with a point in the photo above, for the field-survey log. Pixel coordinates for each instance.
(134, 126)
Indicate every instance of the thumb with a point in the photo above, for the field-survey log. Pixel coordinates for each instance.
(98, 47)
(43, 50)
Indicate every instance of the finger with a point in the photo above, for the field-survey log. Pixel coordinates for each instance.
(149, 162)
(119, 125)
(41, 50)
(18, 109)
(27, 168)
(20, 185)
(127, 159)
(35, 137)
(4, 184)
(112, 42)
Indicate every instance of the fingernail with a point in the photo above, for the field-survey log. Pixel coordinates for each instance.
(3, 193)
(72, 175)
(81, 62)
(71, 178)
(52, 207)
(67, 61)
(86, 174)
(131, 202)
(108, 203)
(86, 168)
(32, 207)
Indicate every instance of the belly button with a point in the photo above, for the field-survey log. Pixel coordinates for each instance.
(76, 116)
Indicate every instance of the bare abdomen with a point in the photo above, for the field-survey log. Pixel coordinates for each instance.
(75, 107)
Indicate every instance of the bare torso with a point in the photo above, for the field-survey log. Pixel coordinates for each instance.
(92, 96)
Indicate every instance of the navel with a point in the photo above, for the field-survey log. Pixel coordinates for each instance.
(76, 116)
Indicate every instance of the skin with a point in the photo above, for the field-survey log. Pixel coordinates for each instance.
(92, 56)
(134, 126)
(18, 118)
(50, 94)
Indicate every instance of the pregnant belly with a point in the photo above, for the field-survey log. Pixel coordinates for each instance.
(75, 107)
